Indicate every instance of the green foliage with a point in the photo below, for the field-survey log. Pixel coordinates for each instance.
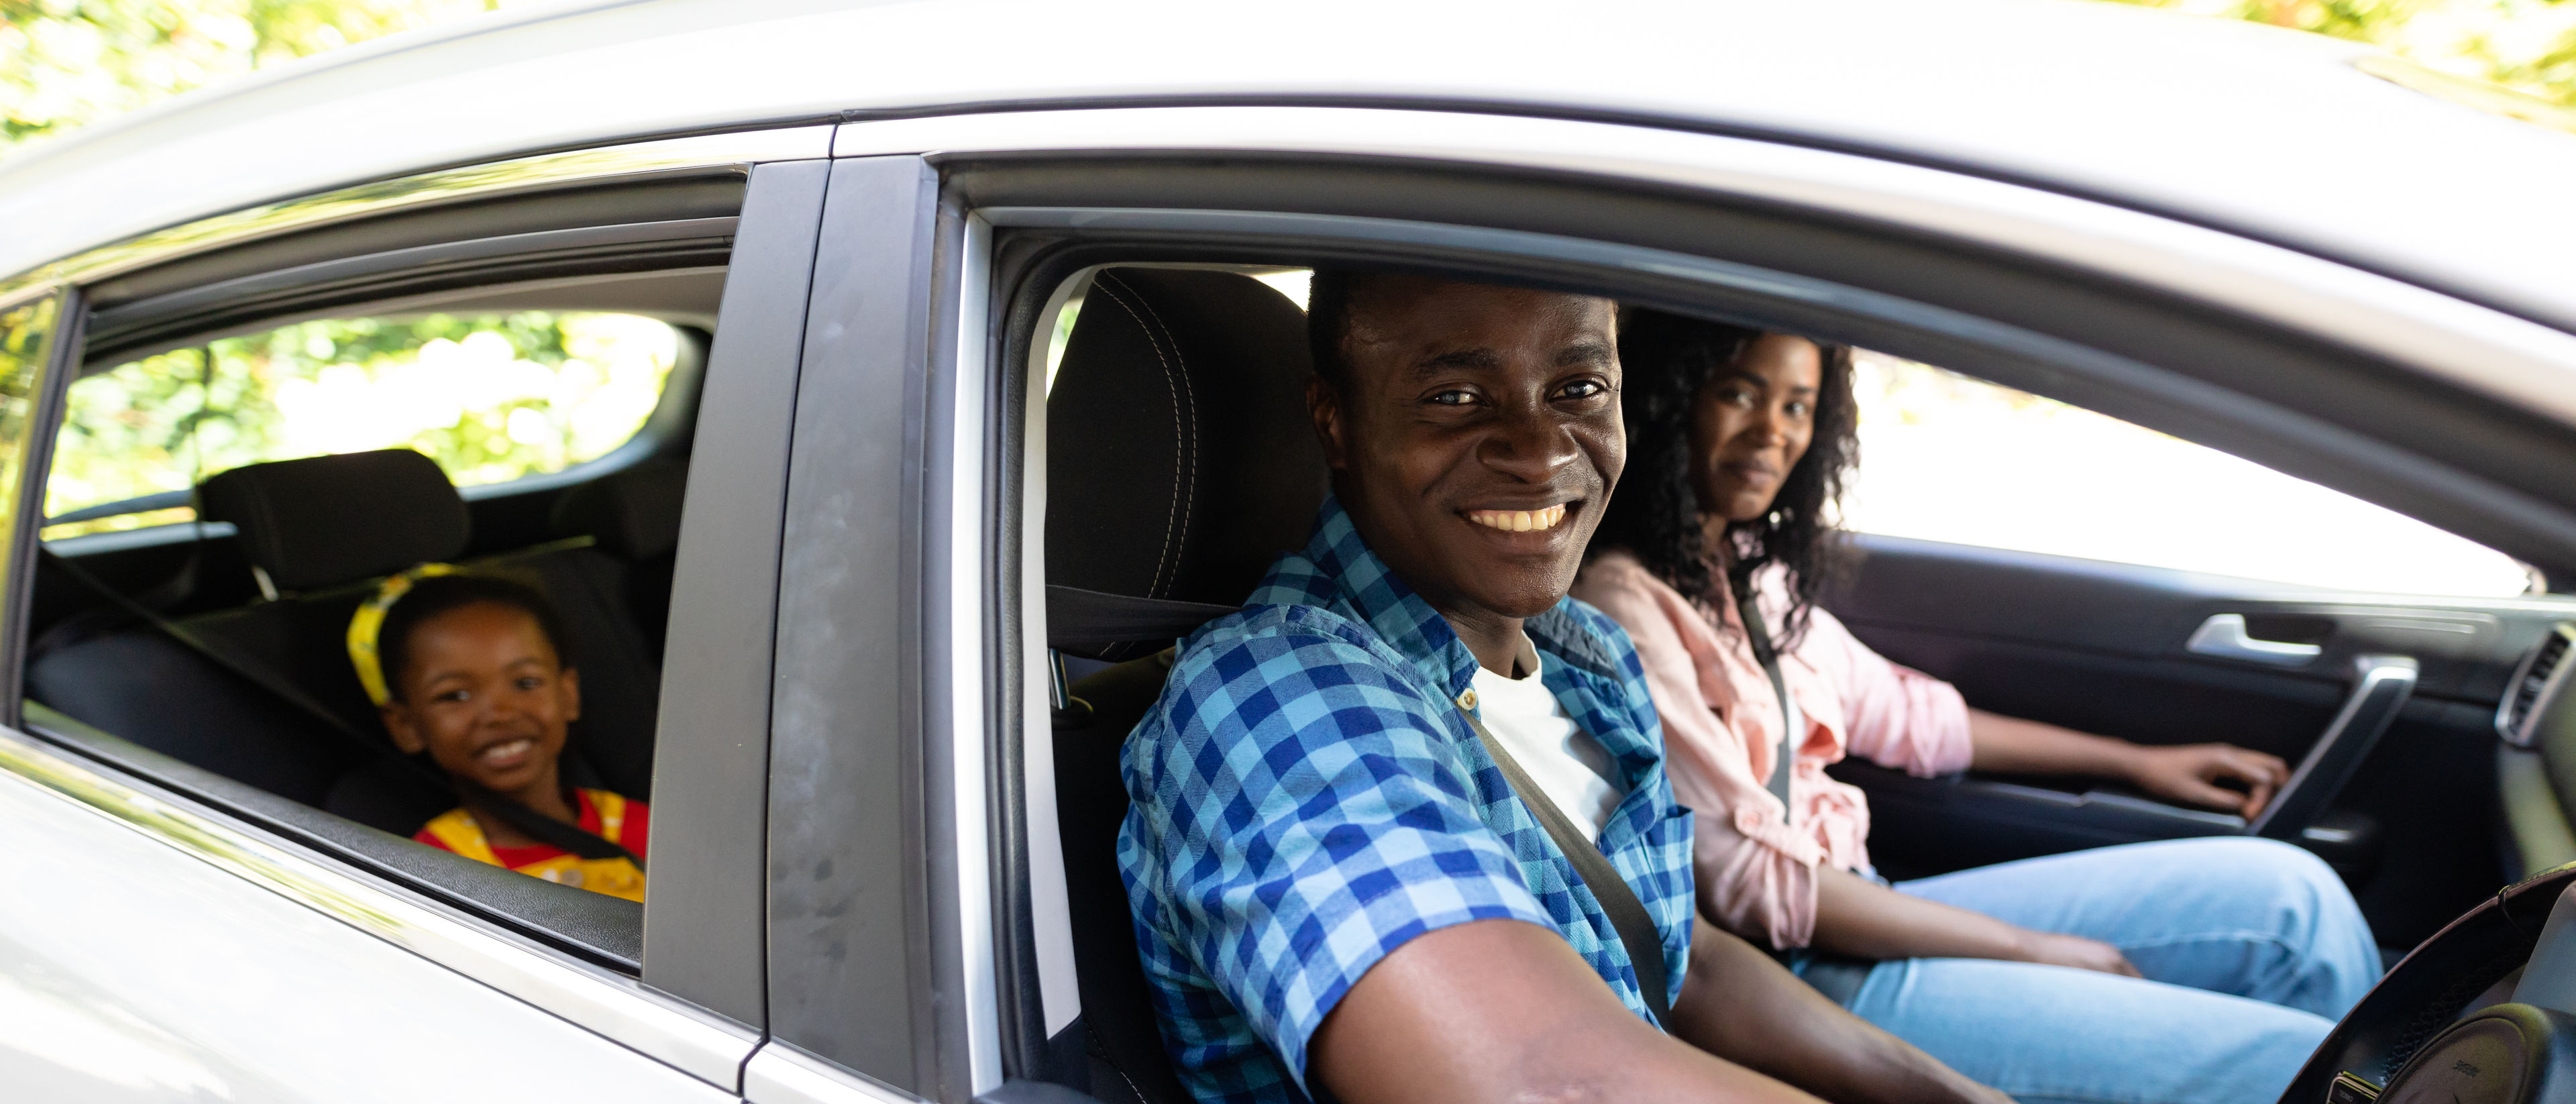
(66, 63)
(2529, 45)
(23, 330)
(491, 398)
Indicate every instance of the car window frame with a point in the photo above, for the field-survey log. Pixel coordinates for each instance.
(650, 1019)
(1143, 205)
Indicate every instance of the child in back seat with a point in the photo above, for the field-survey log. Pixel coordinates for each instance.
(470, 669)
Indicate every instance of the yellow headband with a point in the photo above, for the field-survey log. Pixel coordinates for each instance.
(370, 621)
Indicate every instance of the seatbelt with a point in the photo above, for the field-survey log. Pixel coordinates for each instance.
(1759, 635)
(1838, 977)
(1637, 931)
(535, 825)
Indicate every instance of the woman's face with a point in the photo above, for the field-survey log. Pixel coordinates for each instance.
(1751, 423)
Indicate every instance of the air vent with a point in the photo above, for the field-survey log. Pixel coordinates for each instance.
(2533, 683)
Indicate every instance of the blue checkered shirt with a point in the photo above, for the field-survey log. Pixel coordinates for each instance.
(1307, 797)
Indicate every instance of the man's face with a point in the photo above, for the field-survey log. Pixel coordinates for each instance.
(1475, 437)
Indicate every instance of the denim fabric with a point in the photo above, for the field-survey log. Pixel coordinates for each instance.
(1306, 798)
(2252, 949)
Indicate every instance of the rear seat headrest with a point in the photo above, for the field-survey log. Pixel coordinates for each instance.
(327, 520)
(1180, 459)
(634, 514)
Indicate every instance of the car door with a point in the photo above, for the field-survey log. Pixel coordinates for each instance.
(1014, 228)
(2385, 704)
(173, 932)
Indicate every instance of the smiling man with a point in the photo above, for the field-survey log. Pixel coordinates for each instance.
(1401, 829)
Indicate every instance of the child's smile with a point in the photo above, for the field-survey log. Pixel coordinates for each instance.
(484, 693)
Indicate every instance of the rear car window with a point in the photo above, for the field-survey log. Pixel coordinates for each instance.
(491, 398)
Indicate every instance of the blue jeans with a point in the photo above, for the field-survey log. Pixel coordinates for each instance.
(2252, 950)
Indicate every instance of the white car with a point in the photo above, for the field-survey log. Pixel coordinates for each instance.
(773, 338)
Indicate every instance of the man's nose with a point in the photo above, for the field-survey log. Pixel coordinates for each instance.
(1528, 444)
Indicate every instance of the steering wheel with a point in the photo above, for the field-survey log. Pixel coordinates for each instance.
(2408, 1042)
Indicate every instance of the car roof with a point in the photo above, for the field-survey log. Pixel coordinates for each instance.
(2270, 133)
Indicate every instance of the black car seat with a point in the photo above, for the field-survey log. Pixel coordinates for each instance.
(1180, 463)
(633, 516)
(322, 531)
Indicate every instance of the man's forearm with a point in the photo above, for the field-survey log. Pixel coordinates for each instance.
(2011, 745)
(1741, 1005)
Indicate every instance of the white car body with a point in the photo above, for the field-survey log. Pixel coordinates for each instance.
(154, 949)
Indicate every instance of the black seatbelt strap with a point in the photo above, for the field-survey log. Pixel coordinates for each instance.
(536, 825)
(1759, 635)
(1637, 932)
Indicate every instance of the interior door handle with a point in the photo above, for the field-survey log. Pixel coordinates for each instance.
(2223, 635)
(2380, 686)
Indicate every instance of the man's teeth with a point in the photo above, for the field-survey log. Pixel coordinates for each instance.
(1518, 521)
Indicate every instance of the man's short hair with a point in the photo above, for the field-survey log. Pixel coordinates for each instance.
(1328, 321)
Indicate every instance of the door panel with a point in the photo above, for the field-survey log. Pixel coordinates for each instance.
(2104, 647)
(133, 971)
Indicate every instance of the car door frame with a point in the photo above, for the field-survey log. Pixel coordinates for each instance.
(1144, 175)
(696, 1006)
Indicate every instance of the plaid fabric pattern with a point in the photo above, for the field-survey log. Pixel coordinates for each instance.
(1306, 798)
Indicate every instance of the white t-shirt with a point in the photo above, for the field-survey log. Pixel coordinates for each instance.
(1572, 768)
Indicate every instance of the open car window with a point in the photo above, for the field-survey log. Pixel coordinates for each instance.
(1951, 458)
(490, 397)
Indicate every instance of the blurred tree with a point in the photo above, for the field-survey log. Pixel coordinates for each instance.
(65, 63)
(2524, 44)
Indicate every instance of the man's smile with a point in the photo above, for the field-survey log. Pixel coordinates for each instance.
(1520, 521)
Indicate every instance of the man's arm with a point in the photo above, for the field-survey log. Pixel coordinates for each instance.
(1859, 917)
(2187, 774)
(1742, 1004)
(1505, 1010)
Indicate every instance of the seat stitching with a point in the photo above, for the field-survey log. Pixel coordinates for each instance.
(1110, 286)
(1190, 488)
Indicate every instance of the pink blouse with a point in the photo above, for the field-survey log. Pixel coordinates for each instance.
(1756, 872)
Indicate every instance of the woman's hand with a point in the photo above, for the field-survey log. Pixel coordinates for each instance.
(2188, 775)
(2053, 949)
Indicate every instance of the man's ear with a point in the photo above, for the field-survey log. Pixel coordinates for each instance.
(1324, 405)
(399, 724)
(568, 685)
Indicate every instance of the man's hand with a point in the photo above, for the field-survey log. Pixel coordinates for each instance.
(2053, 949)
(2188, 774)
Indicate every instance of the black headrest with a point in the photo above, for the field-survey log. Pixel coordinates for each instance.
(326, 520)
(1180, 460)
(634, 514)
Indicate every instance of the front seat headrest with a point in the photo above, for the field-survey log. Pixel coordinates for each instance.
(1180, 459)
(326, 520)
(634, 514)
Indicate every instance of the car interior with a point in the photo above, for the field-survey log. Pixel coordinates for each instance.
(2435, 755)
(1179, 462)
(213, 650)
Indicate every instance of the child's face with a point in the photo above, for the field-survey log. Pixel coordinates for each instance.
(484, 692)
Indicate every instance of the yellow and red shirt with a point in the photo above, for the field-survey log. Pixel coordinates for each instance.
(603, 814)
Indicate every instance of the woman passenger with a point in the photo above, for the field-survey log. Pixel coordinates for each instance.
(2193, 970)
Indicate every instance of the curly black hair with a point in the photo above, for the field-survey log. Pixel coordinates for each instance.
(1655, 515)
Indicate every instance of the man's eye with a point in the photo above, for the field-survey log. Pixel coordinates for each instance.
(1454, 398)
(530, 682)
(1584, 389)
